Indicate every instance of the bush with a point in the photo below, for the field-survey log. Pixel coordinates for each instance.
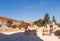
(14, 26)
(9, 23)
(19, 27)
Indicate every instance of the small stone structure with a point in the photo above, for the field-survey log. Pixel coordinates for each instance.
(49, 29)
(31, 30)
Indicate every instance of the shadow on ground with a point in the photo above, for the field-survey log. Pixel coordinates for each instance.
(19, 37)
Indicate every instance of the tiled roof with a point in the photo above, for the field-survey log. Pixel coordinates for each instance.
(4, 17)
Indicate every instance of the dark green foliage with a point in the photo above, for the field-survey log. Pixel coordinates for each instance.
(46, 19)
(38, 22)
(14, 26)
(19, 27)
(9, 23)
(43, 22)
(54, 19)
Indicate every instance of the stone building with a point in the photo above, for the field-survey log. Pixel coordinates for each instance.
(3, 20)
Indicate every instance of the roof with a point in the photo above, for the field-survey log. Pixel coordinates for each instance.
(4, 17)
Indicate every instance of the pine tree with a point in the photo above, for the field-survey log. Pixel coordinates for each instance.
(46, 19)
(54, 20)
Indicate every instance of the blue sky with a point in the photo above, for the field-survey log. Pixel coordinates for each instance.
(29, 10)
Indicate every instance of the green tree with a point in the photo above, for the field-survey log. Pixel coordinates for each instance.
(9, 22)
(39, 22)
(54, 20)
(46, 19)
(34, 23)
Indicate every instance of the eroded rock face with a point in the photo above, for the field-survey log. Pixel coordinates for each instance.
(57, 33)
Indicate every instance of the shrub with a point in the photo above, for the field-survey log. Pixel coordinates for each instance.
(19, 27)
(9, 23)
(14, 26)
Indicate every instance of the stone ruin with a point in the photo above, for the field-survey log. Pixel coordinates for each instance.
(50, 29)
